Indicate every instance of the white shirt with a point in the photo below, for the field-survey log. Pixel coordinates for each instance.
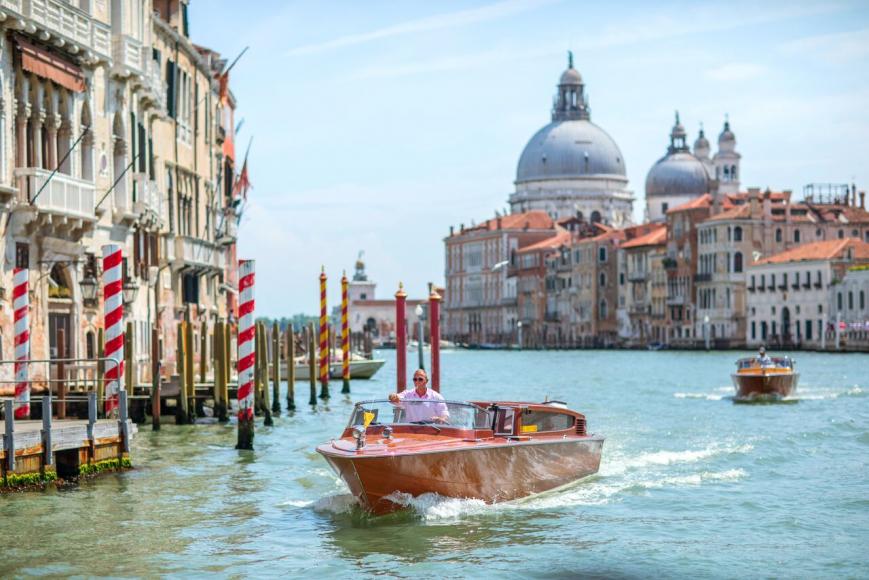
(423, 411)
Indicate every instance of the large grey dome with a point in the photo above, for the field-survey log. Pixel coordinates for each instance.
(570, 149)
(677, 173)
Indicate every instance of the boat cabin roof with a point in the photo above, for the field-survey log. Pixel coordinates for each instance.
(753, 361)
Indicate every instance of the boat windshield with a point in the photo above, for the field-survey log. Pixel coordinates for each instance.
(449, 413)
(753, 362)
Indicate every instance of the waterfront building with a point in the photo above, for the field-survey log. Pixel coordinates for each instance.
(681, 266)
(757, 225)
(849, 307)
(571, 167)
(797, 297)
(536, 302)
(596, 299)
(480, 302)
(636, 258)
(135, 120)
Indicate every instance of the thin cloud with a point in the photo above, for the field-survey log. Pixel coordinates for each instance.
(437, 22)
(837, 48)
(736, 71)
(639, 31)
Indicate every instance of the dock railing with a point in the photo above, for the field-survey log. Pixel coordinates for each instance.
(68, 382)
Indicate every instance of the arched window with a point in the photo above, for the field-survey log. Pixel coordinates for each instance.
(603, 308)
(855, 234)
(778, 234)
(796, 236)
(733, 172)
(841, 234)
(729, 234)
(595, 217)
(90, 344)
(58, 283)
(839, 301)
(862, 300)
(737, 262)
(726, 173)
(601, 254)
(737, 234)
(850, 300)
(602, 279)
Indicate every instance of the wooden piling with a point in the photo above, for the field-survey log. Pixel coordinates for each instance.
(203, 352)
(291, 368)
(182, 416)
(190, 372)
(227, 362)
(129, 372)
(312, 363)
(263, 383)
(156, 357)
(219, 370)
(276, 369)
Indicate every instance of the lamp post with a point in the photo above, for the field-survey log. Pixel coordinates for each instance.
(419, 317)
(130, 291)
(89, 289)
(519, 326)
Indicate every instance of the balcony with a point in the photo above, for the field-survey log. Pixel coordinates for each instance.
(197, 254)
(227, 233)
(677, 300)
(66, 202)
(702, 277)
(669, 263)
(637, 276)
(151, 82)
(639, 308)
(126, 56)
(149, 200)
(67, 24)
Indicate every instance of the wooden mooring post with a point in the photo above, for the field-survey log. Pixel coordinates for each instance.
(219, 365)
(156, 357)
(182, 416)
(61, 370)
(262, 367)
(312, 363)
(193, 403)
(291, 368)
(101, 367)
(276, 369)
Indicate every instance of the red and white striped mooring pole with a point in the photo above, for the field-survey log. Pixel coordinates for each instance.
(113, 283)
(246, 353)
(21, 306)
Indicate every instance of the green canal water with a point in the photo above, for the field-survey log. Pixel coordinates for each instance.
(690, 485)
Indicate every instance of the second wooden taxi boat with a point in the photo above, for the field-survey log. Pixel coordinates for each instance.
(493, 451)
(757, 381)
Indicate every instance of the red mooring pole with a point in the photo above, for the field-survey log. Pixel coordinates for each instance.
(434, 307)
(400, 339)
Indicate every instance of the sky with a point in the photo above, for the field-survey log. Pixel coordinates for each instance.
(377, 125)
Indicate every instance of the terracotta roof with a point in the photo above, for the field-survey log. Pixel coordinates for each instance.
(735, 213)
(703, 201)
(828, 250)
(559, 239)
(656, 237)
(534, 220)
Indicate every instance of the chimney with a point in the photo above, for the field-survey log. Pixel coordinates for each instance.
(767, 205)
(499, 222)
(853, 195)
(462, 227)
(753, 196)
(452, 229)
(862, 200)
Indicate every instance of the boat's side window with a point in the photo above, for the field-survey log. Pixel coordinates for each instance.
(538, 422)
(504, 421)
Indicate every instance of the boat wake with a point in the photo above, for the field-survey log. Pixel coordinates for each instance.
(719, 394)
(620, 476)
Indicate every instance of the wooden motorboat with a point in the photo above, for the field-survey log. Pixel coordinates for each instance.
(360, 368)
(493, 451)
(770, 380)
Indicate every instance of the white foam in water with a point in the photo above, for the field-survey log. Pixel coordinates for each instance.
(693, 479)
(300, 503)
(619, 464)
(704, 396)
(434, 507)
(335, 504)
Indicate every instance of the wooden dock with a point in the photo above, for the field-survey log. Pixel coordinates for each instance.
(37, 452)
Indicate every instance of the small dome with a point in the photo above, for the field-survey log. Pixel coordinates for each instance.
(570, 77)
(677, 173)
(569, 149)
(702, 143)
(726, 134)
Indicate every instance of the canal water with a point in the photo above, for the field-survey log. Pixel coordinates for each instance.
(691, 485)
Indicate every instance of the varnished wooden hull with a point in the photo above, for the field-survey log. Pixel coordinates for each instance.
(359, 369)
(491, 472)
(760, 386)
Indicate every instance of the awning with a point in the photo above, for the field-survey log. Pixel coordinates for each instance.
(49, 66)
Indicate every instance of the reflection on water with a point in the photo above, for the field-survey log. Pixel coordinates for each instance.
(683, 469)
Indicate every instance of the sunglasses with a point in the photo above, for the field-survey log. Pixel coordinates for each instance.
(418, 379)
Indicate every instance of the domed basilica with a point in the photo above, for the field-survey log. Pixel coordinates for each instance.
(571, 167)
(680, 175)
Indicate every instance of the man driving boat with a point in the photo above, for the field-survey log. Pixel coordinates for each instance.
(763, 359)
(435, 411)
